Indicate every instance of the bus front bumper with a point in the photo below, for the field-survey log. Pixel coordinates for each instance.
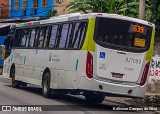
(119, 90)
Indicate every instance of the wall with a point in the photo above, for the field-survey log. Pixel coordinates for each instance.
(60, 6)
(154, 75)
(30, 11)
(4, 9)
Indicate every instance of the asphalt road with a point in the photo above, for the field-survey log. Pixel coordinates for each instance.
(31, 95)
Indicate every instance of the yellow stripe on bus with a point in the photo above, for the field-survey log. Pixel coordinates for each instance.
(89, 43)
(150, 52)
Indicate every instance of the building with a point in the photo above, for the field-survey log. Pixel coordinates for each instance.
(30, 8)
(60, 6)
(4, 9)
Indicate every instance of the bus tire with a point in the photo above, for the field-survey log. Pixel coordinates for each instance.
(46, 91)
(94, 98)
(15, 83)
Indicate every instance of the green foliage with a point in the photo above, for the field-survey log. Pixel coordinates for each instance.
(106, 6)
(154, 8)
(122, 7)
(52, 13)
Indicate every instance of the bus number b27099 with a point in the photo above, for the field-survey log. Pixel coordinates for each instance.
(133, 60)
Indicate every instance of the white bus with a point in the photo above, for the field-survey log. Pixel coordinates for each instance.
(94, 55)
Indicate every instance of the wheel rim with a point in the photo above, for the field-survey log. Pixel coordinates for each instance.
(45, 88)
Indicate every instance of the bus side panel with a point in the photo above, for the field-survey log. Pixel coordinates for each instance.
(26, 68)
(83, 82)
(88, 46)
(38, 60)
(76, 71)
(76, 68)
(7, 65)
(57, 61)
(71, 69)
(53, 79)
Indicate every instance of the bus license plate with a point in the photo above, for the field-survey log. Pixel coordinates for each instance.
(117, 75)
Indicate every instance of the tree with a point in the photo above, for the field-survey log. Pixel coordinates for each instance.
(123, 7)
(154, 10)
(87, 6)
(52, 13)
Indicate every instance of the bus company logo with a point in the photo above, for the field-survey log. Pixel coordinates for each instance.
(102, 55)
(50, 57)
(6, 108)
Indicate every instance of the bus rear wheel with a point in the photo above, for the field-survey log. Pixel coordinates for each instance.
(46, 91)
(15, 83)
(94, 98)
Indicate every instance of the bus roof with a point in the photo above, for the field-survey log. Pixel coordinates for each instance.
(6, 24)
(79, 16)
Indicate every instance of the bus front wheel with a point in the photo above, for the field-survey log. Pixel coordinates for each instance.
(94, 98)
(15, 83)
(46, 91)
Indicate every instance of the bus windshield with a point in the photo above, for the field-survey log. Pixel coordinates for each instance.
(4, 31)
(121, 34)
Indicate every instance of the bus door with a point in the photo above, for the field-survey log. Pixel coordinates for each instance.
(8, 42)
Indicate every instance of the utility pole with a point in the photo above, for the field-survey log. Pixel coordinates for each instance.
(142, 9)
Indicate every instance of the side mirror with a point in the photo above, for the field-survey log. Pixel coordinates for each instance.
(2, 52)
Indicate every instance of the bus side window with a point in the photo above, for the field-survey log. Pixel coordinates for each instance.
(37, 36)
(47, 36)
(33, 34)
(54, 36)
(83, 33)
(79, 34)
(17, 40)
(23, 36)
(64, 34)
(41, 36)
(28, 37)
(75, 34)
(69, 36)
